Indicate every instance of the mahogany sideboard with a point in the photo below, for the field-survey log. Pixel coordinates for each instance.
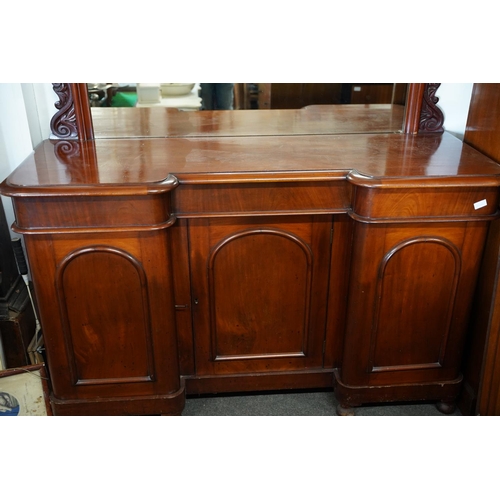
(185, 265)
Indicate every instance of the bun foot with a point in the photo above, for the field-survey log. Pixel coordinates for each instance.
(345, 411)
(446, 408)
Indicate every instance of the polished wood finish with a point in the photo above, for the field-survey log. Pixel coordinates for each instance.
(431, 117)
(409, 302)
(423, 114)
(166, 266)
(230, 251)
(483, 123)
(155, 167)
(98, 351)
(414, 107)
(74, 119)
(481, 388)
(481, 391)
(280, 261)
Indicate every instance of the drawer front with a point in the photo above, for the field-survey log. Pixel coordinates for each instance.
(61, 214)
(262, 198)
(418, 203)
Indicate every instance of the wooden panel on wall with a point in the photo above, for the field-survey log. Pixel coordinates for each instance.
(481, 392)
(483, 123)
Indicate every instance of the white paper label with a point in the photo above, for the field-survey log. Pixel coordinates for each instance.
(480, 204)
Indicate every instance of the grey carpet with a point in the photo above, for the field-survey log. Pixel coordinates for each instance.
(299, 403)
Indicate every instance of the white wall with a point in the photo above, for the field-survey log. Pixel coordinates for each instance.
(454, 100)
(39, 99)
(15, 137)
(25, 112)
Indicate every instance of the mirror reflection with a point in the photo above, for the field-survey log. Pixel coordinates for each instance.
(299, 108)
(210, 96)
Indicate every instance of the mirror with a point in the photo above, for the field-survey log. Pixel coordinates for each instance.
(297, 109)
(76, 119)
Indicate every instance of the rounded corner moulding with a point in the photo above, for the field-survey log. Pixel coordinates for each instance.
(359, 179)
(449, 181)
(164, 186)
(56, 191)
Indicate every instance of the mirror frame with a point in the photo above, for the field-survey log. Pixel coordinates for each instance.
(73, 120)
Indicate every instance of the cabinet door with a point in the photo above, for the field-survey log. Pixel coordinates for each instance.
(410, 295)
(259, 288)
(107, 313)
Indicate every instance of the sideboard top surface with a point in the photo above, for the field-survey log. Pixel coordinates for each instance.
(134, 164)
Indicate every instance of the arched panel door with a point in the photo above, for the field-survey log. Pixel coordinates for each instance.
(410, 294)
(259, 295)
(105, 345)
(411, 304)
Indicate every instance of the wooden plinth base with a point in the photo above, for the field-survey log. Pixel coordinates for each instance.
(445, 392)
(169, 404)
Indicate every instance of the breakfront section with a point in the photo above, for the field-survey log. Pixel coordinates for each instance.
(101, 268)
(415, 258)
(267, 261)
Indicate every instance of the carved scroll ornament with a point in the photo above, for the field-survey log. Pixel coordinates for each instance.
(431, 117)
(63, 123)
